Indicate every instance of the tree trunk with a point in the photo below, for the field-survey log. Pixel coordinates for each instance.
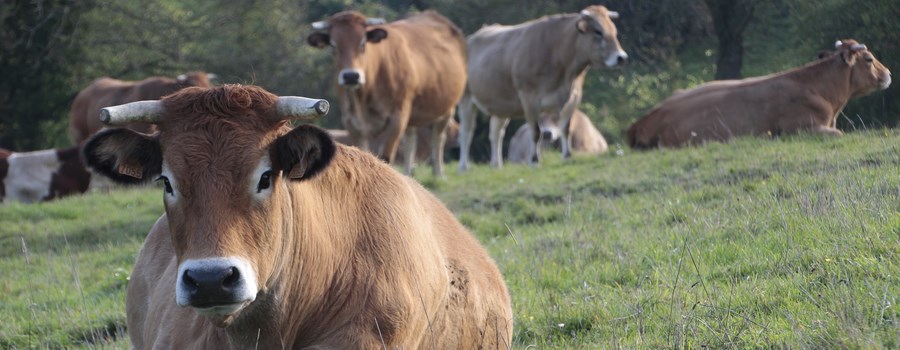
(730, 18)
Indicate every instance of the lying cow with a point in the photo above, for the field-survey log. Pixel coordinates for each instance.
(807, 98)
(42, 175)
(422, 140)
(278, 238)
(105, 92)
(395, 77)
(534, 67)
(586, 139)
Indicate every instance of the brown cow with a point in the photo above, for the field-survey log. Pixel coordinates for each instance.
(422, 139)
(807, 98)
(537, 66)
(395, 77)
(105, 92)
(586, 139)
(42, 175)
(278, 238)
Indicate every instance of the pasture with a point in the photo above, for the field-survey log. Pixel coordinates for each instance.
(792, 242)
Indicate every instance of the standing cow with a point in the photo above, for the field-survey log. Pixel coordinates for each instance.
(42, 175)
(584, 136)
(807, 98)
(278, 238)
(395, 77)
(105, 92)
(422, 140)
(537, 66)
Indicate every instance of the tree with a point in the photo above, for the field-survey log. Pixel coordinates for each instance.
(36, 62)
(730, 18)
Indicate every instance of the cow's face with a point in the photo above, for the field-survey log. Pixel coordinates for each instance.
(348, 34)
(867, 73)
(201, 79)
(597, 37)
(224, 162)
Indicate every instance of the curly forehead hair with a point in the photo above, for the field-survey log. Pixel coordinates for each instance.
(230, 101)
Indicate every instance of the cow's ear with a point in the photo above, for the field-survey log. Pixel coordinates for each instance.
(124, 156)
(376, 35)
(849, 57)
(824, 54)
(303, 152)
(319, 40)
(582, 25)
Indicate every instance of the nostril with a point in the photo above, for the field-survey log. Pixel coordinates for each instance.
(621, 60)
(232, 277)
(189, 281)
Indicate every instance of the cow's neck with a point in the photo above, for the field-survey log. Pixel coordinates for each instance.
(828, 79)
(566, 55)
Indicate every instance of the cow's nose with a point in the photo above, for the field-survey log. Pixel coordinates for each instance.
(350, 78)
(212, 285)
(621, 60)
(547, 135)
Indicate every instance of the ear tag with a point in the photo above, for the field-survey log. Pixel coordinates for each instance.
(296, 172)
(131, 170)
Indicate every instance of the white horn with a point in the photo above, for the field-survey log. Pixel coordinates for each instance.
(321, 25)
(857, 47)
(296, 107)
(837, 44)
(374, 21)
(134, 112)
(585, 13)
(613, 14)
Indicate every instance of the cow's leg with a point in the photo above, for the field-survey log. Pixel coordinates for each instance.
(397, 124)
(531, 106)
(498, 131)
(467, 115)
(409, 149)
(438, 139)
(565, 117)
(827, 130)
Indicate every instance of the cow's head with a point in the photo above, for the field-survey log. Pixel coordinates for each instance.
(867, 74)
(348, 33)
(597, 37)
(196, 78)
(225, 157)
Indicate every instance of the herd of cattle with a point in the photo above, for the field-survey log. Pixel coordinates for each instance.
(279, 237)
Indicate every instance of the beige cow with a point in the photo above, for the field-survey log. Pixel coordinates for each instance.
(586, 139)
(534, 67)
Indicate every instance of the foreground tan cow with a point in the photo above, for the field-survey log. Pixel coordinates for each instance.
(395, 77)
(586, 139)
(278, 238)
(807, 98)
(422, 140)
(534, 67)
(105, 92)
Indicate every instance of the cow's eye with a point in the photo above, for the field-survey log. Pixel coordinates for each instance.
(265, 181)
(598, 32)
(167, 184)
(869, 59)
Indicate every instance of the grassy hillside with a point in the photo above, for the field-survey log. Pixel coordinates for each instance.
(791, 242)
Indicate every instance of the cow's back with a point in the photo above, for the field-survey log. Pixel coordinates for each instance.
(586, 138)
(425, 53)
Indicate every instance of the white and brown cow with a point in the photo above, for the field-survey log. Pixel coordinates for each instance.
(534, 67)
(278, 238)
(584, 136)
(807, 98)
(42, 175)
(393, 78)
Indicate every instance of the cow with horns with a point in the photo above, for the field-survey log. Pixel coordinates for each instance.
(279, 238)
(395, 77)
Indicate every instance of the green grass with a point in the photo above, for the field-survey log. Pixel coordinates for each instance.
(790, 243)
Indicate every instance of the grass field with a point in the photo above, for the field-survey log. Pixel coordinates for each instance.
(788, 243)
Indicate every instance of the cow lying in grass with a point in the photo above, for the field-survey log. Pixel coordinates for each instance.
(42, 175)
(585, 138)
(808, 98)
(278, 238)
